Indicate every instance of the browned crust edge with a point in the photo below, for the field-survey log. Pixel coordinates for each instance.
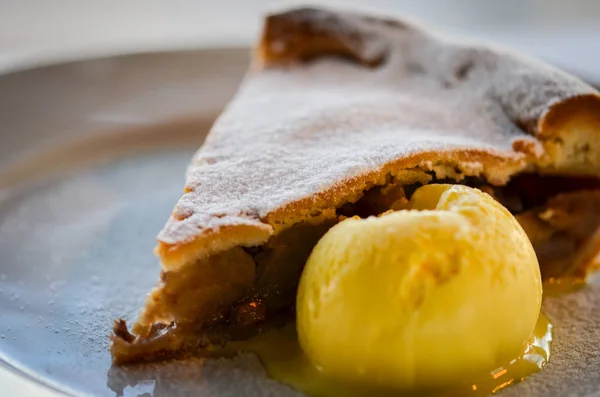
(496, 167)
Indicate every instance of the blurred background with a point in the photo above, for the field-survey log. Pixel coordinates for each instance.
(565, 32)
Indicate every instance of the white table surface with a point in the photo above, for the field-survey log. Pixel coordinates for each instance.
(34, 32)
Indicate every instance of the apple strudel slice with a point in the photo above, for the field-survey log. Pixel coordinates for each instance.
(345, 114)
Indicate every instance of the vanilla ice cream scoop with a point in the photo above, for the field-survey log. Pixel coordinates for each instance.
(425, 297)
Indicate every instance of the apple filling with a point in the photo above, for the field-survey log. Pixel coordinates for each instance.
(236, 293)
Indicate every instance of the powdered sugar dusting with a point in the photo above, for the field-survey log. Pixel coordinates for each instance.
(299, 129)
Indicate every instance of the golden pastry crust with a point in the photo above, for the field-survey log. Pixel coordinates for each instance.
(345, 110)
(324, 82)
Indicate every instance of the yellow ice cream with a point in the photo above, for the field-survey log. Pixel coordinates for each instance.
(420, 298)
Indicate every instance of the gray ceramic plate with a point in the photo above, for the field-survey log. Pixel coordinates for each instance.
(92, 158)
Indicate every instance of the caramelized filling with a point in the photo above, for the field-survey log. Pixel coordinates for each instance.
(236, 293)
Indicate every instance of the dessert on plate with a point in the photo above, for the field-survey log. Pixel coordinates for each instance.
(343, 115)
